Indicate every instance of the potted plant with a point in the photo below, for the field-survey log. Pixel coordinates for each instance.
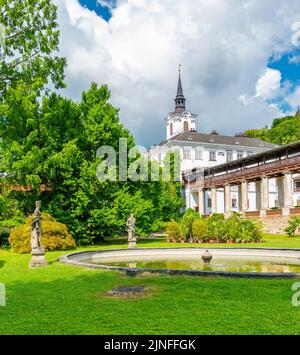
(173, 231)
(199, 230)
(230, 241)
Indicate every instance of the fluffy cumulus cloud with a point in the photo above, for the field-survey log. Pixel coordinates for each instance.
(268, 84)
(293, 99)
(223, 46)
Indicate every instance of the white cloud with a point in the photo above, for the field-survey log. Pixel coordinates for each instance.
(223, 46)
(106, 3)
(268, 84)
(293, 99)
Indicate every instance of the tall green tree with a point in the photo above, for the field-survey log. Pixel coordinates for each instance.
(53, 142)
(28, 40)
(48, 143)
(283, 130)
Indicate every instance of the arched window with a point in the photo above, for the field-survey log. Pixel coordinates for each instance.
(171, 129)
(185, 126)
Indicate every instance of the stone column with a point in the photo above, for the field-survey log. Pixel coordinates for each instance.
(265, 195)
(188, 198)
(214, 207)
(280, 191)
(258, 195)
(227, 198)
(240, 204)
(244, 190)
(201, 203)
(288, 193)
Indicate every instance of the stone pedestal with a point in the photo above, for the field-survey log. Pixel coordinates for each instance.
(38, 258)
(132, 243)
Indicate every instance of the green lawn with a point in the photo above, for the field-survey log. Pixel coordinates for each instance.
(268, 241)
(63, 299)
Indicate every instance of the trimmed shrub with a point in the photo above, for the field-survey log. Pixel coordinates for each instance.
(55, 236)
(199, 229)
(173, 231)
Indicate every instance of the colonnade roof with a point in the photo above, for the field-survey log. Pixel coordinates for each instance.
(277, 153)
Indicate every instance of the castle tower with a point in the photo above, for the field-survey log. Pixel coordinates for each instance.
(180, 120)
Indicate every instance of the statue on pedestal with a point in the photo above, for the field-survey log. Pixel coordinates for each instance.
(36, 228)
(37, 250)
(131, 231)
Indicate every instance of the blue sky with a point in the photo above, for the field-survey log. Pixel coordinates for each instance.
(94, 5)
(240, 67)
(290, 72)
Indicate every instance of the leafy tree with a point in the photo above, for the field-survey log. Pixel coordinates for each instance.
(52, 143)
(48, 143)
(284, 130)
(258, 133)
(29, 37)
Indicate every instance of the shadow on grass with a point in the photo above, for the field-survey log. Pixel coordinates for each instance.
(2, 263)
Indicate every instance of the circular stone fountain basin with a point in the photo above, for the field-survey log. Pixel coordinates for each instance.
(239, 262)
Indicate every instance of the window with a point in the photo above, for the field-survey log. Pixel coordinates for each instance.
(198, 154)
(186, 154)
(212, 156)
(185, 126)
(171, 129)
(297, 186)
(239, 155)
(234, 203)
(209, 202)
(229, 156)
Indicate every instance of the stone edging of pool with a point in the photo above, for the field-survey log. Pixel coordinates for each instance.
(77, 257)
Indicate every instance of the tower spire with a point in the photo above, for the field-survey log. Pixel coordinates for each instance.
(180, 99)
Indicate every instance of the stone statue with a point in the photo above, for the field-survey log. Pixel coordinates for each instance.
(37, 250)
(36, 228)
(131, 231)
(131, 227)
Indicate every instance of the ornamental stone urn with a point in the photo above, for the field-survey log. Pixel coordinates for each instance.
(207, 256)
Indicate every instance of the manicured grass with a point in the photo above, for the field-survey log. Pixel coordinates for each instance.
(63, 299)
(268, 241)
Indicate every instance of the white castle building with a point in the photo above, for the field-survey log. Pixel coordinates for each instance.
(201, 150)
